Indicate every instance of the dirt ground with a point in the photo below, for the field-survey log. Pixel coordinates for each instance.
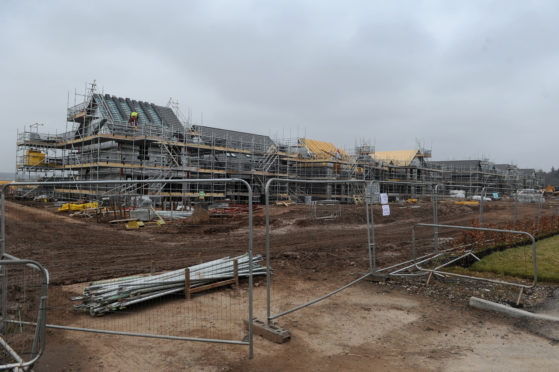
(79, 250)
(371, 326)
(367, 327)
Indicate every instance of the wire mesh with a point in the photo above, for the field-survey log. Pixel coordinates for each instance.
(23, 290)
(111, 241)
(304, 247)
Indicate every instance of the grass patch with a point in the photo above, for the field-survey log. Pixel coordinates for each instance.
(517, 262)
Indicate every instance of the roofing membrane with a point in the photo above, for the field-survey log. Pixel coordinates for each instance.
(402, 158)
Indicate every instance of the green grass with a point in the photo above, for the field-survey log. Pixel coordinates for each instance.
(517, 262)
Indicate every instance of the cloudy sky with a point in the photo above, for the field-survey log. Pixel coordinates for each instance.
(468, 79)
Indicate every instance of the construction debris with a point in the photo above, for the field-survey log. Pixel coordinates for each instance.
(117, 294)
(200, 215)
(123, 220)
(170, 215)
(142, 214)
(133, 225)
(467, 202)
(284, 203)
(232, 210)
(77, 207)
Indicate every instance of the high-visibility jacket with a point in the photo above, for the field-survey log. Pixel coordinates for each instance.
(134, 114)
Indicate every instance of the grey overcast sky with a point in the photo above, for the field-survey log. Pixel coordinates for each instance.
(469, 79)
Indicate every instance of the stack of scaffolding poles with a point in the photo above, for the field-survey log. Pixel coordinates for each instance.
(117, 294)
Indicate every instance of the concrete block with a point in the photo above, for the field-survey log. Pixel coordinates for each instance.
(273, 332)
(141, 214)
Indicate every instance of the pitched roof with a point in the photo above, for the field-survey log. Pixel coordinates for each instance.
(527, 171)
(402, 158)
(235, 138)
(118, 109)
(321, 149)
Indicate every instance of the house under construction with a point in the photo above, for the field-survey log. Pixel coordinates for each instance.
(100, 144)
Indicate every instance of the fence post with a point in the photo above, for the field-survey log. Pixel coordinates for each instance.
(373, 245)
(4, 269)
(268, 272)
(371, 235)
(436, 218)
(515, 207)
(250, 280)
(482, 196)
(3, 237)
(540, 202)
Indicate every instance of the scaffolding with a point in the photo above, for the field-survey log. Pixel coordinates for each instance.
(99, 143)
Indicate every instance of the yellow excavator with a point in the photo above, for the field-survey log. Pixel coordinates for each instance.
(550, 190)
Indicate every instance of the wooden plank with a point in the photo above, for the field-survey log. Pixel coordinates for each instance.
(212, 286)
(187, 283)
(123, 220)
(157, 214)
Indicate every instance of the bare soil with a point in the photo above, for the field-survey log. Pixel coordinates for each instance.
(369, 326)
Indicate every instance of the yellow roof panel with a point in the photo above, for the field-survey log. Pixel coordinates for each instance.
(401, 158)
(322, 149)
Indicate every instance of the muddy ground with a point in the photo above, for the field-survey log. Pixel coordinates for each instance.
(77, 250)
(374, 325)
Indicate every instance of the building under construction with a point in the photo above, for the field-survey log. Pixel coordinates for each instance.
(99, 144)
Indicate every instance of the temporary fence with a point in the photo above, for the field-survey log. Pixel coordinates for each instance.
(520, 204)
(87, 251)
(441, 259)
(417, 193)
(368, 251)
(23, 308)
(325, 209)
(447, 255)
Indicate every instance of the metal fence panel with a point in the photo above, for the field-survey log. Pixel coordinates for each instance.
(338, 284)
(84, 252)
(23, 309)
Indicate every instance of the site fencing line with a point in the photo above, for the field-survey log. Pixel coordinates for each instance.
(325, 209)
(435, 196)
(22, 328)
(537, 198)
(372, 246)
(269, 315)
(437, 271)
(204, 314)
(434, 188)
(436, 208)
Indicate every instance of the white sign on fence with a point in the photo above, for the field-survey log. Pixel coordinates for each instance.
(383, 198)
(386, 210)
(371, 192)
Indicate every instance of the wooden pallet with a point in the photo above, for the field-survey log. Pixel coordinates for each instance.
(233, 281)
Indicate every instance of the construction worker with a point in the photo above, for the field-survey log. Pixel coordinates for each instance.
(133, 119)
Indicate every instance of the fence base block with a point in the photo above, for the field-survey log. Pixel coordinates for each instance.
(378, 277)
(273, 332)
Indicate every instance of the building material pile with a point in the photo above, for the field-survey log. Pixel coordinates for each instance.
(117, 294)
(233, 210)
(77, 207)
